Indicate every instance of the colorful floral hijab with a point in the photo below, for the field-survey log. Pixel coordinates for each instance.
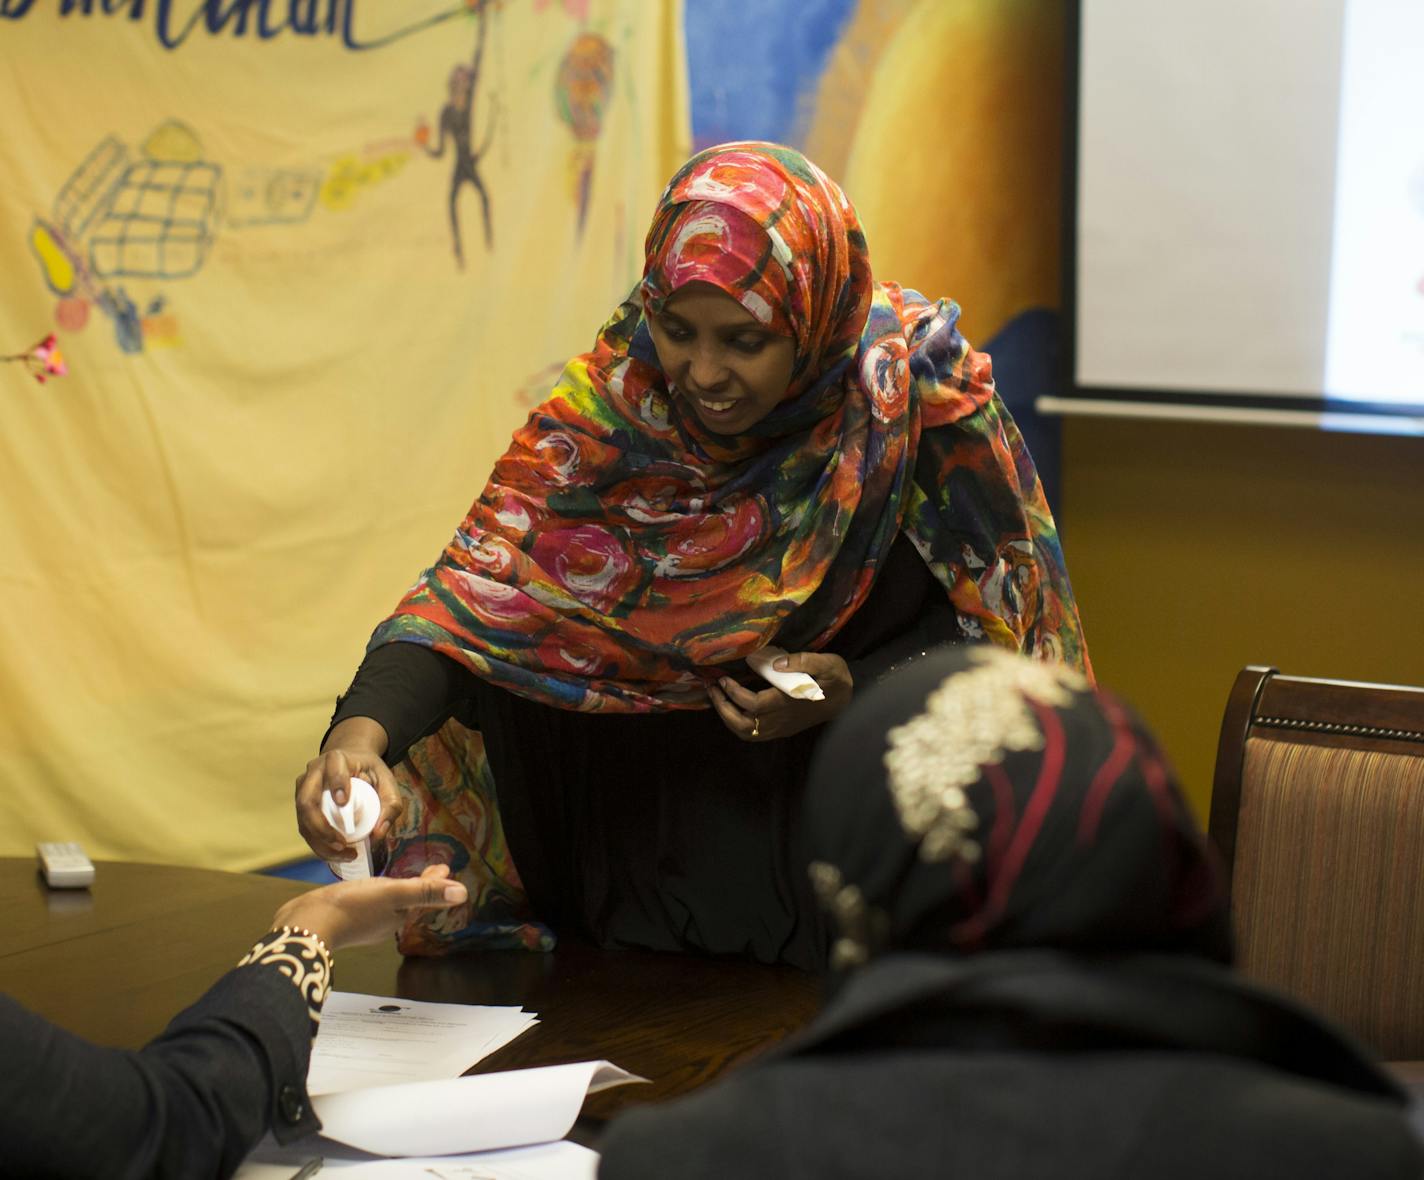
(621, 552)
(979, 801)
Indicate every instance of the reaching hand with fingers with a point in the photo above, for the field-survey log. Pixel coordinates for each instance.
(353, 749)
(356, 913)
(766, 714)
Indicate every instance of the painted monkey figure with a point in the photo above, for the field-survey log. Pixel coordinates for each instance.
(456, 125)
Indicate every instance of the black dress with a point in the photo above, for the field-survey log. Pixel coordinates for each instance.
(662, 831)
(1038, 1064)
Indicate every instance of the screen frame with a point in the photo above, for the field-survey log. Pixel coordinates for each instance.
(1257, 408)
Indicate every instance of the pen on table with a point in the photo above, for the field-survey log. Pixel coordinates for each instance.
(308, 1169)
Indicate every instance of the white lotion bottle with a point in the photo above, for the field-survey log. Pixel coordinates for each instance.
(355, 820)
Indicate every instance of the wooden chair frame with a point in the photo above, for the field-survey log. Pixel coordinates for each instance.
(1321, 712)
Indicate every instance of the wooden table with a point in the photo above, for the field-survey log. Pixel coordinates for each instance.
(115, 962)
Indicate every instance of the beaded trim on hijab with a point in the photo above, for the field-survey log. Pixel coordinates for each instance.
(986, 710)
(859, 924)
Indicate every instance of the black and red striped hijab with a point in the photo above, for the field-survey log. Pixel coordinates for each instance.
(977, 800)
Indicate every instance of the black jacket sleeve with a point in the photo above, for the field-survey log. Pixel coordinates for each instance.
(411, 690)
(190, 1104)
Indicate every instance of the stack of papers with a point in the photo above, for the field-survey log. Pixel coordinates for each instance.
(546, 1161)
(379, 1041)
(385, 1082)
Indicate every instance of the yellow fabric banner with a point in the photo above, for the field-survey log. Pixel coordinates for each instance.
(309, 262)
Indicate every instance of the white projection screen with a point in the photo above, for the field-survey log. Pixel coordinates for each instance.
(1245, 231)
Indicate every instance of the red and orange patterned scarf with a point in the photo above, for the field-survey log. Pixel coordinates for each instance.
(621, 552)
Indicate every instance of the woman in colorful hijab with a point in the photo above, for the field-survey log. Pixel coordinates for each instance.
(765, 446)
(1029, 974)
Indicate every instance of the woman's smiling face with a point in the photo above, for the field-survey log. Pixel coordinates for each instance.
(720, 359)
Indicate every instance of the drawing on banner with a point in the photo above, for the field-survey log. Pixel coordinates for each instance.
(273, 196)
(152, 215)
(456, 126)
(350, 174)
(158, 218)
(124, 217)
(581, 92)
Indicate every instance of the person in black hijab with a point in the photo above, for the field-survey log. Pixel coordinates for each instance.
(1030, 971)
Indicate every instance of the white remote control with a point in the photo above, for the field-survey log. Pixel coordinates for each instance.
(65, 866)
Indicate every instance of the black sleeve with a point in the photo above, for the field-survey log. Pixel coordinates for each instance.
(411, 690)
(191, 1103)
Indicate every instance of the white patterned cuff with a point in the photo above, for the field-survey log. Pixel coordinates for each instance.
(303, 958)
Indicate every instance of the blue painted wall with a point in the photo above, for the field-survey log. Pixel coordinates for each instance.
(753, 70)
(753, 65)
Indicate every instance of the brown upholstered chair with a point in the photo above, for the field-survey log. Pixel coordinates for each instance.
(1318, 810)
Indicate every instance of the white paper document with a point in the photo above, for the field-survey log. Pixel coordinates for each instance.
(384, 1081)
(453, 1115)
(381, 1040)
(497, 1126)
(793, 684)
(545, 1161)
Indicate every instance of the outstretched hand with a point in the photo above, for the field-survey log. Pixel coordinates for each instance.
(769, 714)
(353, 913)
